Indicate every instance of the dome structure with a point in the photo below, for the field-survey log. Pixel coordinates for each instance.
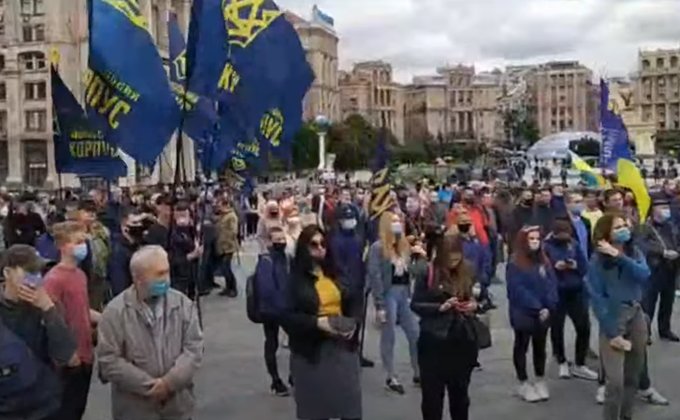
(556, 146)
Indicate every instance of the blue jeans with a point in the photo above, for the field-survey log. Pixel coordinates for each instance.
(397, 308)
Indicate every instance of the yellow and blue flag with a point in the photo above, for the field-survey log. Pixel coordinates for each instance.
(78, 147)
(128, 95)
(629, 176)
(615, 141)
(200, 116)
(588, 174)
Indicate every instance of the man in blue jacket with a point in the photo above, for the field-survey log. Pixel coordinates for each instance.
(125, 244)
(346, 246)
(272, 275)
(478, 256)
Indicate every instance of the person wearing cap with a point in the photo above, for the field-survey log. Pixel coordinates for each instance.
(659, 240)
(227, 245)
(98, 253)
(28, 312)
(347, 251)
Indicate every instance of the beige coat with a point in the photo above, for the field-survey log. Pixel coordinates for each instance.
(129, 357)
(227, 233)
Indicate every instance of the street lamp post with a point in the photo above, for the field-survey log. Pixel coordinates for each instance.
(322, 124)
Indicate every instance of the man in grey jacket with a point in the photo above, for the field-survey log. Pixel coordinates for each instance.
(150, 344)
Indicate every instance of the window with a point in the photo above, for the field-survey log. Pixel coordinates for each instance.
(674, 61)
(3, 123)
(2, 62)
(35, 120)
(32, 7)
(35, 162)
(3, 92)
(32, 60)
(659, 62)
(34, 33)
(35, 90)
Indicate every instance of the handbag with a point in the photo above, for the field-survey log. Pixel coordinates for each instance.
(482, 332)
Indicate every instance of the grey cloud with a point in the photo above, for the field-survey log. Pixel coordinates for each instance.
(417, 35)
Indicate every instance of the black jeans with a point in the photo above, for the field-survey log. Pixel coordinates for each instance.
(445, 367)
(572, 303)
(229, 277)
(251, 223)
(661, 288)
(76, 384)
(271, 345)
(538, 339)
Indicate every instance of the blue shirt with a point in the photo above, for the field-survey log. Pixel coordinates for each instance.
(581, 234)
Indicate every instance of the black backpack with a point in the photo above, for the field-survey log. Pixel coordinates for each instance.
(25, 382)
(253, 297)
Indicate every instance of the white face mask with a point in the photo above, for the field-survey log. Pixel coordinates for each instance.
(534, 245)
(4, 211)
(397, 228)
(348, 224)
(294, 221)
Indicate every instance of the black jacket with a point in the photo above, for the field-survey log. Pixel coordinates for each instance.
(300, 319)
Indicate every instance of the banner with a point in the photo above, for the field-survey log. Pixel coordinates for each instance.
(615, 141)
(381, 200)
(128, 95)
(78, 147)
(199, 116)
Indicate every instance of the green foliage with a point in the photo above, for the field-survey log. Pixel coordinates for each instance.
(521, 127)
(306, 148)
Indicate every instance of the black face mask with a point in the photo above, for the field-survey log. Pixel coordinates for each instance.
(136, 232)
(528, 202)
(563, 240)
(469, 200)
(464, 228)
(278, 248)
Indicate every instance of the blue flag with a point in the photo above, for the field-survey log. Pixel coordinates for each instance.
(78, 147)
(208, 50)
(381, 200)
(615, 141)
(128, 95)
(270, 64)
(200, 116)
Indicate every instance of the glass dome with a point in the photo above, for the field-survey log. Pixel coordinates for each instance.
(556, 146)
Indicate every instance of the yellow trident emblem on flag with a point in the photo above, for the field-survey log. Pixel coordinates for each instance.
(131, 10)
(247, 18)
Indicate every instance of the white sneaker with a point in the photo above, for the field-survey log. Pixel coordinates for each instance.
(527, 393)
(652, 396)
(599, 397)
(584, 372)
(542, 390)
(565, 373)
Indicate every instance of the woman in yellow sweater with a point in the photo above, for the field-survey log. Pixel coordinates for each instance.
(322, 322)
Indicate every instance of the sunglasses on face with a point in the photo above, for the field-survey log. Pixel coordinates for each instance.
(317, 245)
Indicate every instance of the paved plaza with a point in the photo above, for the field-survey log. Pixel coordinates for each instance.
(233, 385)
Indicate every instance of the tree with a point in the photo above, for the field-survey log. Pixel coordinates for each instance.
(353, 142)
(520, 126)
(306, 148)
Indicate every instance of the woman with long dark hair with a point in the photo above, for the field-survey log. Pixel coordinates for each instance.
(322, 325)
(447, 351)
(532, 296)
(616, 278)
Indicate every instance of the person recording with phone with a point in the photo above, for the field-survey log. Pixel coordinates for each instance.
(447, 352)
(617, 276)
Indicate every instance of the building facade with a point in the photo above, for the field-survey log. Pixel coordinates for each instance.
(460, 101)
(657, 88)
(320, 42)
(561, 95)
(486, 93)
(425, 109)
(622, 100)
(370, 90)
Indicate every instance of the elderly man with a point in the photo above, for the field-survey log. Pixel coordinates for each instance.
(150, 344)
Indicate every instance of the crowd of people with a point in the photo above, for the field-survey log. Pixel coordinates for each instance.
(114, 279)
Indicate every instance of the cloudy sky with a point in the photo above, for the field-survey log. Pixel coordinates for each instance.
(416, 36)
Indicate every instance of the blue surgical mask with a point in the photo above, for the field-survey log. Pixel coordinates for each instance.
(80, 252)
(159, 288)
(34, 280)
(397, 228)
(577, 209)
(621, 236)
